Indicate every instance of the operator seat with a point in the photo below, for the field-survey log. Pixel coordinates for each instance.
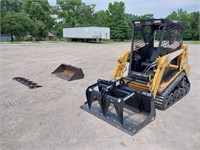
(151, 55)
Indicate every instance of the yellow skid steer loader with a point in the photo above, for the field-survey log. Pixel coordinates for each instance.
(157, 77)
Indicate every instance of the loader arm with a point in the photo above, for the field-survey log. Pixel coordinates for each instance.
(121, 65)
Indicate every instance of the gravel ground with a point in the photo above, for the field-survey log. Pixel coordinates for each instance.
(50, 117)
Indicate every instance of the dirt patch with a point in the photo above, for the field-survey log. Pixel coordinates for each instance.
(50, 117)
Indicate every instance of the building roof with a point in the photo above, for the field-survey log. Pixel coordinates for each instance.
(50, 34)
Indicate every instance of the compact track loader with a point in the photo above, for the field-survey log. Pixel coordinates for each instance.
(157, 77)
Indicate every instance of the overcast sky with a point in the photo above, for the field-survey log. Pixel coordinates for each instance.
(160, 8)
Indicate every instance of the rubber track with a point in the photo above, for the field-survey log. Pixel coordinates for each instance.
(160, 99)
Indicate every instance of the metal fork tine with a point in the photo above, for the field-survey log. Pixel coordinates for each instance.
(106, 106)
(27, 82)
(89, 98)
(119, 110)
(101, 104)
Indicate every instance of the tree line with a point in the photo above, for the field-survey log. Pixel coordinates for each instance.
(37, 17)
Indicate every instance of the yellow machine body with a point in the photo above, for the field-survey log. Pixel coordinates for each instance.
(155, 86)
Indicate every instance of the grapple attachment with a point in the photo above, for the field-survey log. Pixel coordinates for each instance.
(68, 72)
(123, 107)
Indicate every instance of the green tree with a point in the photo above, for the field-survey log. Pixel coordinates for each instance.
(18, 24)
(173, 15)
(8, 6)
(73, 13)
(40, 12)
(190, 23)
(101, 18)
(118, 23)
(36, 12)
(184, 17)
(140, 17)
(129, 19)
(44, 4)
(68, 11)
(194, 19)
(85, 15)
(58, 28)
(40, 31)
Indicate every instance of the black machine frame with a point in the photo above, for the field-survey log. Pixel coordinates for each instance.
(143, 49)
(160, 25)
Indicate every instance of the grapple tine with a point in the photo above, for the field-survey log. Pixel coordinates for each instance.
(89, 99)
(119, 110)
(106, 106)
(101, 104)
(90, 95)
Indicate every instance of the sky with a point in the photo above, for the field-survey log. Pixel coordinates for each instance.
(160, 8)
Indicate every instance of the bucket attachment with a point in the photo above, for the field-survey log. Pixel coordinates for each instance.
(119, 105)
(68, 72)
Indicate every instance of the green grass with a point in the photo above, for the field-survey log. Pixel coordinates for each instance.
(65, 42)
(35, 41)
(15, 42)
(191, 42)
(112, 41)
(102, 42)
